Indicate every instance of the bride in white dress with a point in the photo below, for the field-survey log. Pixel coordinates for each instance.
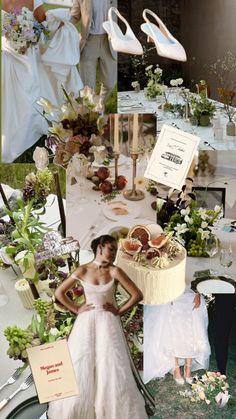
(107, 389)
(175, 334)
(25, 78)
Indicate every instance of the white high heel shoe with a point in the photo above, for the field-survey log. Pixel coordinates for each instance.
(180, 381)
(127, 43)
(166, 45)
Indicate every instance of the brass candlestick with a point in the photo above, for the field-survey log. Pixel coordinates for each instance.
(116, 157)
(134, 194)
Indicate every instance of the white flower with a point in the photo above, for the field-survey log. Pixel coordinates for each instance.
(205, 234)
(135, 84)
(202, 213)
(204, 224)
(179, 82)
(185, 211)
(140, 182)
(100, 153)
(149, 67)
(159, 204)
(188, 220)
(181, 228)
(26, 261)
(173, 82)
(217, 208)
(6, 257)
(40, 156)
(53, 331)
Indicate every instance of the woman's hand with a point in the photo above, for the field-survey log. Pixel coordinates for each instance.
(111, 308)
(196, 301)
(85, 307)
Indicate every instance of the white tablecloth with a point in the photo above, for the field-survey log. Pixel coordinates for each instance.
(131, 102)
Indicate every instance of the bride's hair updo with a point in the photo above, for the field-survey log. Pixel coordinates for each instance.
(106, 238)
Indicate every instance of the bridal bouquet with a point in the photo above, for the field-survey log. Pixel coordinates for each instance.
(21, 29)
(75, 128)
(210, 387)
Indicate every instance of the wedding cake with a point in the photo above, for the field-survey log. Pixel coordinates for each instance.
(155, 264)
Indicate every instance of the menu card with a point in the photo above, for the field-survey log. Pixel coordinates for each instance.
(172, 157)
(52, 370)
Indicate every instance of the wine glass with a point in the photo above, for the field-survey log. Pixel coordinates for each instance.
(211, 247)
(226, 258)
(80, 175)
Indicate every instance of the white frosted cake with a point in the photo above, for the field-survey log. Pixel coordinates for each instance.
(157, 269)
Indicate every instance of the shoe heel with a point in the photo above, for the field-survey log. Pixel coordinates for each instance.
(149, 40)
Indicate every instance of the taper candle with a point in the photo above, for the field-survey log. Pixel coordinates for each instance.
(116, 133)
(135, 133)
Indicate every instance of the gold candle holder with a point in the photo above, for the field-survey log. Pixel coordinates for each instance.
(116, 158)
(134, 194)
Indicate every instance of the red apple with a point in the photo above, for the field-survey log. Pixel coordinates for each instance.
(105, 187)
(103, 173)
(121, 182)
(78, 291)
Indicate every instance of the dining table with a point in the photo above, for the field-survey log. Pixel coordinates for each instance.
(130, 102)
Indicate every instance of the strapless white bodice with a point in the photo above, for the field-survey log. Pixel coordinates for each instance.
(98, 295)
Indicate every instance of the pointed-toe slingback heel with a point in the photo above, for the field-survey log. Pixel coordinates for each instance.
(121, 42)
(180, 381)
(166, 45)
(189, 380)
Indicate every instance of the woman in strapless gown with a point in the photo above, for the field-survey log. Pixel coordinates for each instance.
(26, 77)
(107, 389)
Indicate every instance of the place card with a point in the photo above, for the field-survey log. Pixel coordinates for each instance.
(172, 157)
(52, 370)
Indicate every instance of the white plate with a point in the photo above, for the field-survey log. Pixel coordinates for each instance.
(124, 223)
(132, 212)
(213, 286)
(122, 160)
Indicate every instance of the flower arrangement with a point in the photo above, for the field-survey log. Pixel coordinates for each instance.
(192, 226)
(154, 87)
(136, 86)
(75, 127)
(48, 324)
(202, 109)
(210, 387)
(25, 232)
(176, 82)
(226, 97)
(21, 29)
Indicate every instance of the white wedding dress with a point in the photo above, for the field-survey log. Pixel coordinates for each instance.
(175, 330)
(24, 80)
(99, 354)
(26, 77)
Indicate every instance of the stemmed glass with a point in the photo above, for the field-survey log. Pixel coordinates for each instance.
(80, 174)
(211, 247)
(226, 258)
